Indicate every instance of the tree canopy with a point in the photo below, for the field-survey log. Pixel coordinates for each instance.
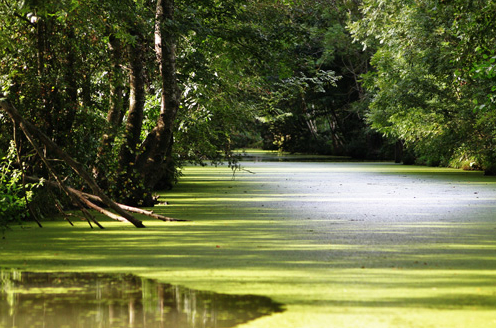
(433, 80)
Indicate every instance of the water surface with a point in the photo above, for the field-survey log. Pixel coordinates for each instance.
(78, 300)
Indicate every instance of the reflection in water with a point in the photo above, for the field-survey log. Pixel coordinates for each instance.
(89, 300)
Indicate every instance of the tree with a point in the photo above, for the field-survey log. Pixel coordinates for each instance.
(70, 67)
(313, 88)
(424, 88)
(53, 28)
(157, 146)
(131, 89)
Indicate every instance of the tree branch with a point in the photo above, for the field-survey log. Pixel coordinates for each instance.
(76, 166)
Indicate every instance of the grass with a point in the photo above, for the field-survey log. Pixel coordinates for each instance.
(340, 244)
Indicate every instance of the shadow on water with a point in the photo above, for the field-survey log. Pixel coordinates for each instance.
(77, 300)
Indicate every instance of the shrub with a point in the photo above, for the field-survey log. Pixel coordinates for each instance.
(13, 194)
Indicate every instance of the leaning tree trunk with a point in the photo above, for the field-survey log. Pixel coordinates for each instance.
(158, 144)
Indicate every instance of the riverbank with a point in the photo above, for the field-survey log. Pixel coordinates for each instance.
(339, 244)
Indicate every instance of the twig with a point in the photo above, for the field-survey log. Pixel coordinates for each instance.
(61, 211)
(238, 167)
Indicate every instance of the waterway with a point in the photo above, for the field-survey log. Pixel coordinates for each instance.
(335, 244)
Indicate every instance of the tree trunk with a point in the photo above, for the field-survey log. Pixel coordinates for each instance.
(158, 144)
(117, 86)
(136, 106)
(115, 112)
(336, 133)
(398, 152)
(68, 99)
(43, 67)
(130, 186)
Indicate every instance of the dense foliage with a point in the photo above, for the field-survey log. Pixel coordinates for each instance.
(15, 193)
(314, 100)
(433, 81)
(133, 89)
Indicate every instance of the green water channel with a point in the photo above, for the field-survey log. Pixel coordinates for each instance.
(338, 244)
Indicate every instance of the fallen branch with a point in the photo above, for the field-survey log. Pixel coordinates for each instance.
(94, 202)
(59, 183)
(61, 211)
(77, 197)
(96, 199)
(150, 214)
(98, 208)
(29, 129)
(19, 162)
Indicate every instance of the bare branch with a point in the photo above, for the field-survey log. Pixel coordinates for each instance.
(29, 128)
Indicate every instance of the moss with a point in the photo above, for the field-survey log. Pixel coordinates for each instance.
(340, 244)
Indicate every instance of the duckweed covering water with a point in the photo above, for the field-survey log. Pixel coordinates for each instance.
(339, 244)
